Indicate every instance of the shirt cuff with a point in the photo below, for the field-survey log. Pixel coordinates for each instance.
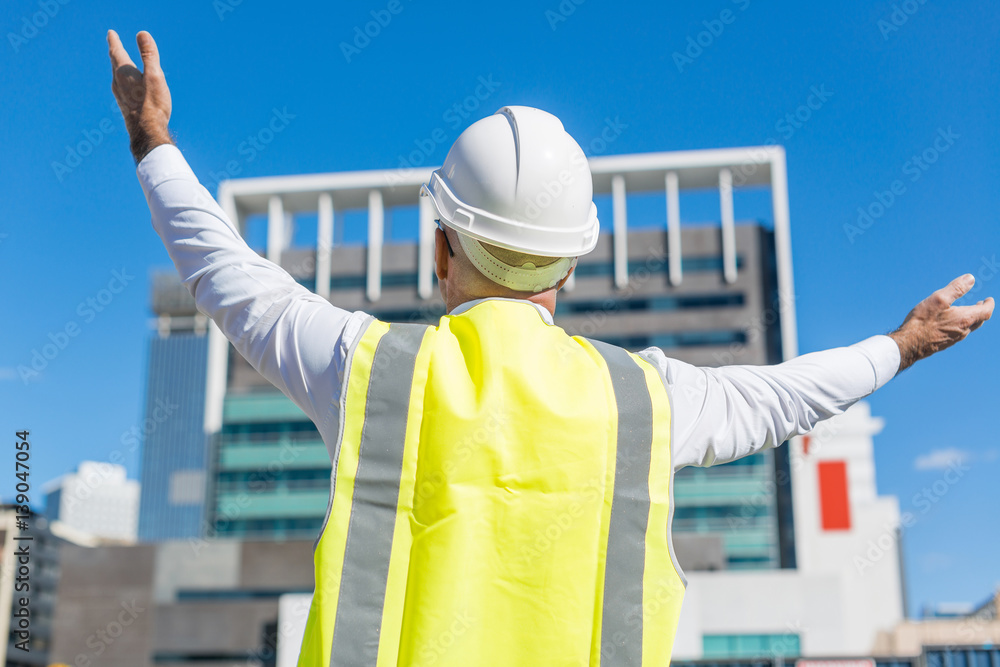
(883, 354)
(163, 163)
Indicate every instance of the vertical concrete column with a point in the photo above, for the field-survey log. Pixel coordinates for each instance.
(728, 225)
(275, 229)
(376, 227)
(620, 230)
(673, 228)
(425, 249)
(324, 244)
(783, 252)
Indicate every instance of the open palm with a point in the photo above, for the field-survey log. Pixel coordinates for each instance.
(143, 97)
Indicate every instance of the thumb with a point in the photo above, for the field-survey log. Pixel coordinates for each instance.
(958, 287)
(147, 49)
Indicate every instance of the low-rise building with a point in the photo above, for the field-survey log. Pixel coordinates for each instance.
(98, 500)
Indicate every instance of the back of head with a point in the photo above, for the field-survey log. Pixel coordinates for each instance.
(517, 189)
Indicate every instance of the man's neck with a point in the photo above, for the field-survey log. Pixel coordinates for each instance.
(546, 299)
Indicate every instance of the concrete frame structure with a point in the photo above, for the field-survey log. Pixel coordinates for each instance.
(671, 172)
(753, 265)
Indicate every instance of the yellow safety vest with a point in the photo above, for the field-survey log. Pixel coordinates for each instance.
(501, 496)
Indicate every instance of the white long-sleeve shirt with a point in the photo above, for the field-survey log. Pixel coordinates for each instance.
(299, 341)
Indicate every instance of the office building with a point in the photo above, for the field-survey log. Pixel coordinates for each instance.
(97, 500)
(709, 293)
(172, 433)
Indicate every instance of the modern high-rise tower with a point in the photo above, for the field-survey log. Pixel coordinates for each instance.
(173, 435)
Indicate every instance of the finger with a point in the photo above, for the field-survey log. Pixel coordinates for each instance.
(147, 49)
(989, 304)
(119, 56)
(956, 288)
(976, 314)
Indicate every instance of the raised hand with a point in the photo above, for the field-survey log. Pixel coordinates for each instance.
(934, 324)
(143, 97)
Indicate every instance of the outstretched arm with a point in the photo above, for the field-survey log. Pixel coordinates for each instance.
(294, 338)
(722, 414)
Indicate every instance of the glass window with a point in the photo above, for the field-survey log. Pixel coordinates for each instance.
(749, 646)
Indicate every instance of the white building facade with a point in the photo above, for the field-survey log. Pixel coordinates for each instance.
(97, 500)
(847, 586)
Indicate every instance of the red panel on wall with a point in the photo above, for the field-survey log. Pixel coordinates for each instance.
(835, 506)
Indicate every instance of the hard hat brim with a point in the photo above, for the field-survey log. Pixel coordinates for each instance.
(517, 235)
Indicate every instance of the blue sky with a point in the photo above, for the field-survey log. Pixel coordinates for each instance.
(892, 85)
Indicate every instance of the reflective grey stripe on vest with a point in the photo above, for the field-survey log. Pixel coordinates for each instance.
(376, 493)
(622, 621)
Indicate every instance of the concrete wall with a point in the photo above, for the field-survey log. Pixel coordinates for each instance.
(121, 606)
(105, 612)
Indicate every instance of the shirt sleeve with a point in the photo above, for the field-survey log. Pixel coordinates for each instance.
(293, 337)
(723, 414)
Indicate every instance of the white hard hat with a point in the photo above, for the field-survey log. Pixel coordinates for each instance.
(518, 180)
